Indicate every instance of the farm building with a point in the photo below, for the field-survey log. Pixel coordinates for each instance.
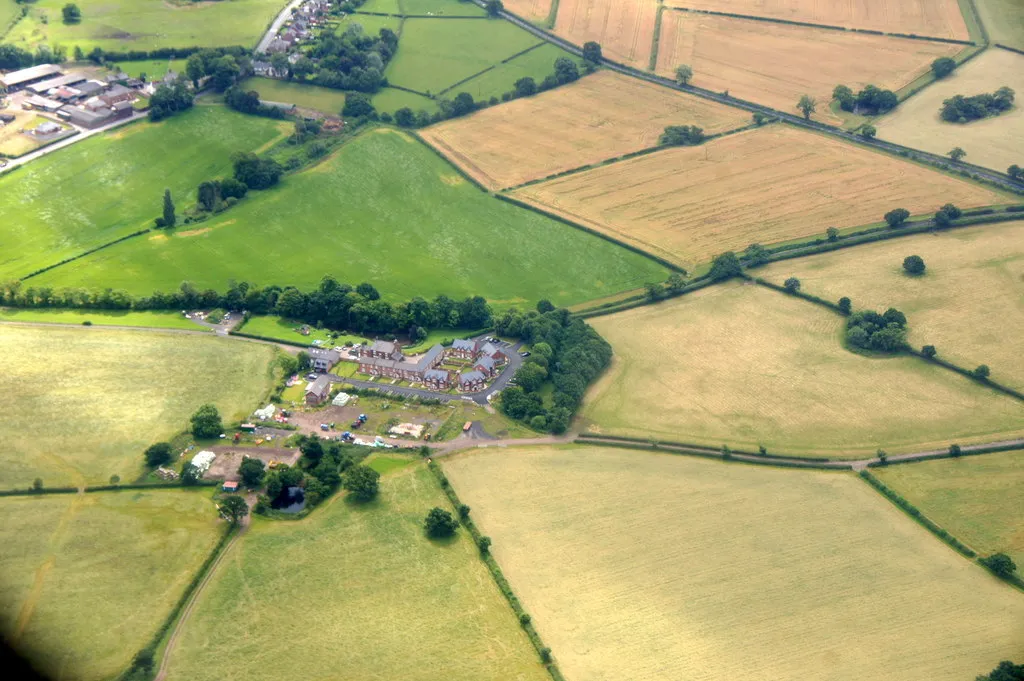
(42, 87)
(318, 390)
(322, 359)
(17, 80)
(229, 486)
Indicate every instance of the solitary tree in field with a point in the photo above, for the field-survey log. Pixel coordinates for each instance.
(896, 217)
(792, 284)
(440, 523)
(956, 153)
(683, 74)
(206, 422)
(1000, 564)
(494, 8)
(234, 508)
(362, 482)
(943, 66)
(913, 264)
(71, 13)
(981, 372)
(592, 53)
(169, 217)
(883, 458)
(807, 106)
(158, 454)
(37, 485)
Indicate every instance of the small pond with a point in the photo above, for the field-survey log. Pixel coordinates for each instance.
(291, 500)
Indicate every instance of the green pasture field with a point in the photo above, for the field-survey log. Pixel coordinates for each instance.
(652, 566)
(977, 499)
(537, 64)
(8, 11)
(112, 184)
(83, 404)
(307, 96)
(371, 24)
(435, 54)
(122, 25)
(160, 320)
(357, 588)
(1004, 20)
(383, 209)
(87, 578)
(391, 100)
(384, 464)
(382, 6)
(969, 303)
(153, 69)
(742, 365)
(448, 8)
(287, 330)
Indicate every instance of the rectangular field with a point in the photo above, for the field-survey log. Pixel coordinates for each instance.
(86, 579)
(743, 365)
(652, 567)
(996, 142)
(600, 116)
(370, 23)
(405, 607)
(536, 11)
(969, 304)
(83, 404)
(775, 64)
(977, 498)
(768, 185)
(537, 63)
(307, 96)
(932, 18)
(158, 320)
(1004, 20)
(624, 28)
(443, 8)
(391, 100)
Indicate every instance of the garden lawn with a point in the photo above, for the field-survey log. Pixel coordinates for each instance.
(436, 54)
(112, 184)
(287, 330)
(154, 69)
(379, 600)
(742, 365)
(83, 403)
(537, 64)
(160, 320)
(654, 567)
(124, 25)
(86, 579)
(384, 209)
(391, 100)
(307, 96)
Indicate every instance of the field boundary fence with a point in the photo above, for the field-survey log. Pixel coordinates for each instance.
(1009, 49)
(85, 253)
(466, 176)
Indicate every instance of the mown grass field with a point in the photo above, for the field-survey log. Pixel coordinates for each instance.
(381, 6)
(121, 25)
(371, 23)
(655, 567)
(448, 8)
(996, 142)
(391, 100)
(153, 69)
(977, 499)
(538, 63)
(160, 320)
(306, 96)
(932, 18)
(1004, 20)
(969, 304)
(624, 28)
(9, 9)
(688, 204)
(87, 579)
(436, 54)
(601, 116)
(365, 576)
(743, 365)
(272, 326)
(112, 184)
(83, 404)
(775, 64)
(383, 209)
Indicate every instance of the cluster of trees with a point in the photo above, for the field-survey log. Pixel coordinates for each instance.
(223, 68)
(248, 102)
(256, 172)
(565, 351)
(944, 216)
(682, 136)
(350, 61)
(1001, 566)
(215, 195)
(871, 100)
(13, 57)
(99, 55)
(1005, 671)
(169, 100)
(960, 109)
(882, 332)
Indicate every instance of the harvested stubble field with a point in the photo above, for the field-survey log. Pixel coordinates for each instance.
(83, 404)
(601, 116)
(996, 142)
(624, 28)
(775, 64)
(687, 582)
(969, 304)
(531, 10)
(767, 185)
(978, 499)
(357, 592)
(87, 578)
(932, 18)
(743, 365)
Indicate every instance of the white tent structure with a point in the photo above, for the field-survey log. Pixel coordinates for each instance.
(202, 460)
(264, 414)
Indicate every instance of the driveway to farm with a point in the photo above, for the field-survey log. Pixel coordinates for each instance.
(268, 37)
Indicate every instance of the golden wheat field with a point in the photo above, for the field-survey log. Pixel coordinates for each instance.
(653, 567)
(969, 304)
(532, 10)
(932, 18)
(772, 184)
(624, 28)
(775, 64)
(601, 116)
(996, 142)
(742, 365)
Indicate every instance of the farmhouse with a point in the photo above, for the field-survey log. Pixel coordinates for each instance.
(318, 390)
(322, 359)
(17, 80)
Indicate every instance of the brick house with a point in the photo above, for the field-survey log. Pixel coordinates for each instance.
(470, 381)
(492, 351)
(318, 391)
(371, 362)
(437, 379)
(382, 350)
(463, 349)
(322, 359)
(486, 365)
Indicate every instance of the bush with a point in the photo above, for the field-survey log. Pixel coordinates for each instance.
(484, 544)
(981, 372)
(158, 454)
(845, 305)
(954, 450)
(897, 217)
(1000, 564)
(914, 264)
(943, 66)
(682, 135)
(440, 523)
(206, 422)
(792, 285)
(928, 351)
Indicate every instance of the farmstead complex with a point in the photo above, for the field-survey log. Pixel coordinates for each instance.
(512, 340)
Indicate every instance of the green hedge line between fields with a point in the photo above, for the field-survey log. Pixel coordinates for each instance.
(85, 253)
(1007, 47)
(809, 297)
(242, 334)
(466, 176)
(916, 514)
(37, 493)
(498, 575)
(152, 485)
(966, 450)
(734, 457)
(988, 382)
(711, 450)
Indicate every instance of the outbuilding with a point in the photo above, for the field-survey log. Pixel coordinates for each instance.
(229, 486)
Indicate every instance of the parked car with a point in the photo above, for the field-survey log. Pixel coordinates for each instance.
(524, 354)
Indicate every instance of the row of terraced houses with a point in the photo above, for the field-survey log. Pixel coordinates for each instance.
(385, 358)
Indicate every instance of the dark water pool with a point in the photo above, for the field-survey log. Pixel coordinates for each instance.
(292, 500)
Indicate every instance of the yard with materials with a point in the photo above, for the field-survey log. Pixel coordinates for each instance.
(624, 28)
(124, 25)
(656, 567)
(14, 142)
(600, 116)
(111, 184)
(306, 96)
(359, 588)
(996, 142)
(687, 204)
(383, 209)
(83, 404)
(775, 64)
(969, 303)
(977, 499)
(88, 578)
(743, 366)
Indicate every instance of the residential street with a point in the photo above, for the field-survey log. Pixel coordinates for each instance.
(276, 26)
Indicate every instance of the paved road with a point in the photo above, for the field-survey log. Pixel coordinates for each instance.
(268, 37)
(14, 163)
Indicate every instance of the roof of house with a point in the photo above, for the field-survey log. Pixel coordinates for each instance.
(324, 353)
(230, 484)
(460, 344)
(470, 377)
(489, 349)
(31, 73)
(387, 347)
(436, 375)
(485, 362)
(425, 361)
(320, 386)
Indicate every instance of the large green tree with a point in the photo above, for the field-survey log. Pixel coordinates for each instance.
(158, 454)
(440, 523)
(234, 508)
(206, 422)
(362, 482)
